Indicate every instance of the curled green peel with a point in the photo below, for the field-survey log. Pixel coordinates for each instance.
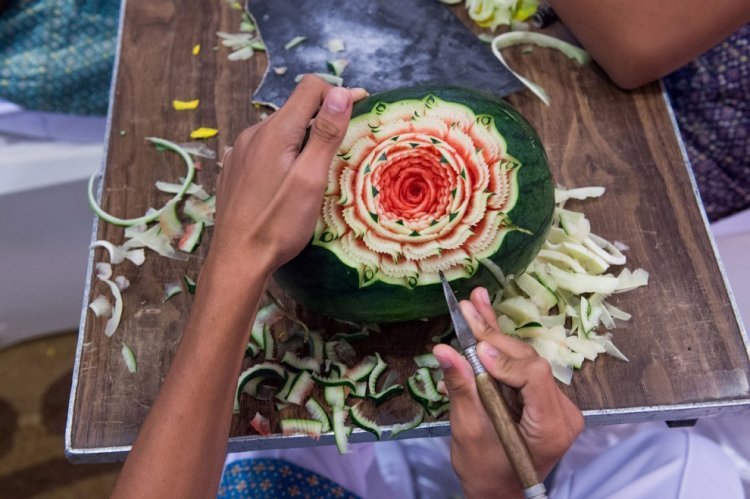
(527, 37)
(127, 222)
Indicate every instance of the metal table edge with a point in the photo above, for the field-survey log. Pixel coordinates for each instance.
(598, 417)
(70, 453)
(704, 217)
(670, 412)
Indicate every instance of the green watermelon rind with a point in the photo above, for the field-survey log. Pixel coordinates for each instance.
(318, 280)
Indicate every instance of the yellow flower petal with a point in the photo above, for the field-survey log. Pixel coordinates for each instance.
(203, 133)
(182, 105)
(197, 49)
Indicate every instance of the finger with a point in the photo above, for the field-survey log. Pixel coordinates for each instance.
(469, 422)
(306, 98)
(304, 101)
(457, 373)
(358, 93)
(328, 130)
(532, 376)
(301, 194)
(459, 381)
(479, 326)
(481, 300)
(515, 372)
(485, 331)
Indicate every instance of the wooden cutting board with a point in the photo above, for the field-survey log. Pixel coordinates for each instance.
(689, 357)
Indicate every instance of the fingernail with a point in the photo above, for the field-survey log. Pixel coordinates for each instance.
(488, 350)
(484, 296)
(337, 100)
(444, 362)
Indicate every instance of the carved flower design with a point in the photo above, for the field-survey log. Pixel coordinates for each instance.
(418, 186)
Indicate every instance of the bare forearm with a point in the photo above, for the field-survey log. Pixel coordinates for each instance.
(641, 40)
(185, 432)
(268, 199)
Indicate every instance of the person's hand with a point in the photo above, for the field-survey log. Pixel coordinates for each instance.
(269, 193)
(550, 422)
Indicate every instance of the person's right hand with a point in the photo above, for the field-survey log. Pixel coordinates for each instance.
(549, 424)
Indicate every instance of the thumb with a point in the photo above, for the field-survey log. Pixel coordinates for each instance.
(467, 412)
(457, 375)
(328, 128)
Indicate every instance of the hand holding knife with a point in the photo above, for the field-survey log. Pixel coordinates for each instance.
(495, 405)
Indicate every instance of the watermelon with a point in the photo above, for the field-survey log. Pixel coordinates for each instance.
(426, 179)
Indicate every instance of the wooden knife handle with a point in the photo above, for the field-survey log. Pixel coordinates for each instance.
(510, 436)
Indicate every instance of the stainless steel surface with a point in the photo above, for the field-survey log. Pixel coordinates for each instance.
(69, 450)
(597, 417)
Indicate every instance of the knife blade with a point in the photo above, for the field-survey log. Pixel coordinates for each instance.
(388, 45)
(465, 336)
(494, 404)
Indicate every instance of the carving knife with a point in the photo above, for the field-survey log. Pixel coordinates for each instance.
(495, 405)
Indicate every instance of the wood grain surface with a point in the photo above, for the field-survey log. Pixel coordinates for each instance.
(684, 343)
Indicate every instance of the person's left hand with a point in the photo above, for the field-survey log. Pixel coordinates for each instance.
(269, 193)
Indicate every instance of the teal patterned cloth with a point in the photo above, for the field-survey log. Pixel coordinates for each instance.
(57, 55)
(269, 478)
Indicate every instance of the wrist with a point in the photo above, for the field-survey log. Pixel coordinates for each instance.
(483, 492)
(229, 289)
(231, 264)
(503, 484)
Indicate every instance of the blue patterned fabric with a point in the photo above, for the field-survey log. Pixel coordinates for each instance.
(267, 478)
(57, 55)
(711, 100)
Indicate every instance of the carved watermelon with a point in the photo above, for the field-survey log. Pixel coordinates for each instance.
(427, 179)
